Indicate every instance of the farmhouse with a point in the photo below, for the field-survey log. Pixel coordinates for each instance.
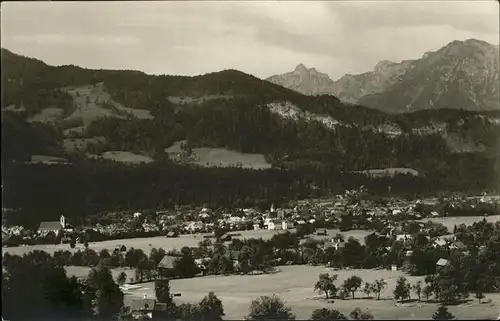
(167, 265)
(145, 307)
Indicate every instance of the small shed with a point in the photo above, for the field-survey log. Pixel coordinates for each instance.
(226, 237)
(172, 234)
(442, 262)
(322, 231)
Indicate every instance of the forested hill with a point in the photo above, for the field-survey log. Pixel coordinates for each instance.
(79, 115)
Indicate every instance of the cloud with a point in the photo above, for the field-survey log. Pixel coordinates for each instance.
(81, 40)
(258, 37)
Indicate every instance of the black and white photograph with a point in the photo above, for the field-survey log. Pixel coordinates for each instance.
(250, 160)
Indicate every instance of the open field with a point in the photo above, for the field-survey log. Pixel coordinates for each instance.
(92, 103)
(123, 157)
(295, 285)
(74, 144)
(147, 243)
(45, 159)
(387, 172)
(221, 157)
(47, 115)
(449, 222)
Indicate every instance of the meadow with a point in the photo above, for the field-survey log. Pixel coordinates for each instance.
(295, 285)
(147, 243)
(222, 157)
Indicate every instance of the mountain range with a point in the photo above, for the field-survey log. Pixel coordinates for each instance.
(121, 114)
(461, 75)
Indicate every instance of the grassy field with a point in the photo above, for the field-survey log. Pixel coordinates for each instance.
(222, 157)
(449, 222)
(295, 285)
(47, 115)
(123, 157)
(146, 244)
(93, 103)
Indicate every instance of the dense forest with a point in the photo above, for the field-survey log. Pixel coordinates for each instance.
(42, 192)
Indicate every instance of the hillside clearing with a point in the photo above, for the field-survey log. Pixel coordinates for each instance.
(123, 157)
(220, 157)
(92, 103)
(45, 159)
(47, 115)
(74, 144)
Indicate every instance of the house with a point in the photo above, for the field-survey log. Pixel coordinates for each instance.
(54, 226)
(172, 234)
(442, 263)
(321, 232)
(149, 308)
(440, 242)
(286, 225)
(403, 237)
(459, 245)
(5, 236)
(275, 225)
(167, 265)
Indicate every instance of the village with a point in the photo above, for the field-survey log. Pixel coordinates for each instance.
(353, 210)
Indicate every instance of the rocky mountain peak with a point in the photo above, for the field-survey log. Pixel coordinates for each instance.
(383, 65)
(300, 68)
(305, 80)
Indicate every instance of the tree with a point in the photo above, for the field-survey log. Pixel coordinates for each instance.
(185, 266)
(402, 290)
(162, 291)
(368, 289)
(269, 308)
(442, 313)
(357, 314)
(210, 307)
(417, 288)
(326, 284)
(378, 286)
(121, 278)
(427, 291)
(327, 315)
(102, 295)
(188, 311)
(352, 284)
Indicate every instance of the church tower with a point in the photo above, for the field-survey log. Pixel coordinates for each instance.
(62, 220)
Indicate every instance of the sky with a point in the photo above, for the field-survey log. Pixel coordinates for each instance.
(258, 37)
